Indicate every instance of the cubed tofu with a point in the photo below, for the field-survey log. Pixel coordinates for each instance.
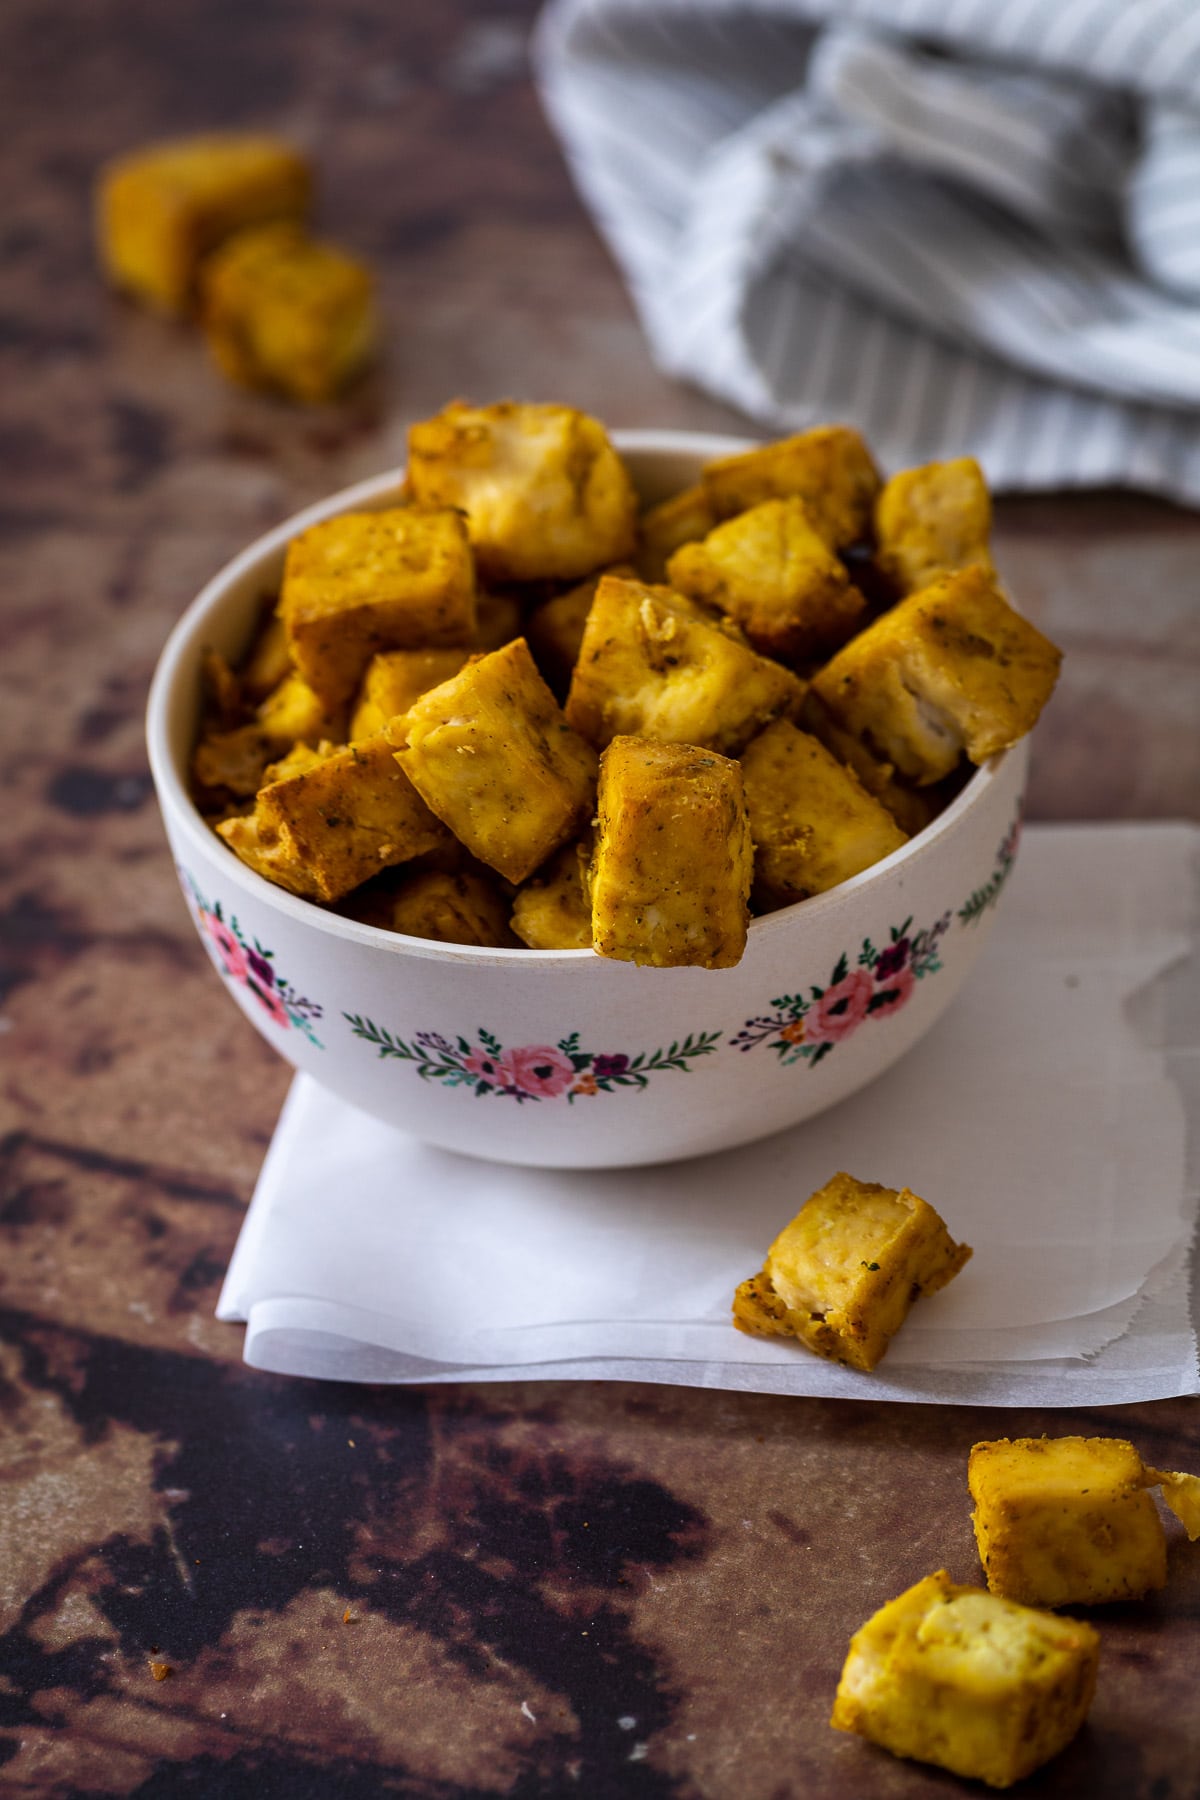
(459, 906)
(231, 762)
(931, 521)
(555, 629)
(553, 910)
(813, 822)
(829, 468)
(288, 314)
(673, 859)
(493, 756)
(978, 1685)
(326, 824)
(293, 713)
(912, 808)
(161, 210)
(768, 569)
(683, 519)
(842, 1276)
(236, 760)
(394, 679)
(268, 659)
(651, 665)
(396, 580)
(948, 670)
(499, 617)
(1068, 1521)
(546, 495)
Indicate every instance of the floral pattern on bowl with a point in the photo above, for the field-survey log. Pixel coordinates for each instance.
(251, 965)
(806, 1028)
(972, 910)
(530, 1071)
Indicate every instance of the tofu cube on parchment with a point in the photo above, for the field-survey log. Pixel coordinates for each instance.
(545, 494)
(673, 859)
(683, 519)
(842, 1276)
(325, 823)
(396, 580)
(769, 570)
(829, 468)
(813, 822)
(394, 679)
(951, 669)
(653, 665)
(553, 910)
(978, 1685)
(161, 210)
(286, 313)
(1070, 1521)
(931, 521)
(493, 756)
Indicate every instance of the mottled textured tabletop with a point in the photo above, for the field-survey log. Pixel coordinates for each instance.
(525, 1590)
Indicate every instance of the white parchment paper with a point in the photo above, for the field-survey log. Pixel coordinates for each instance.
(1046, 1117)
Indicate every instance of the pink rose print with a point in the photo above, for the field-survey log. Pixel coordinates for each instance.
(231, 952)
(483, 1066)
(892, 992)
(539, 1070)
(250, 965)
(269, 999)
(840, 1010)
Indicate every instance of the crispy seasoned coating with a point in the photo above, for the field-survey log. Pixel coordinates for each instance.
(268, 659)
(394, 679)
(912, 808)
(231, 762)
(546, 495)
(948, 670)
(461, 906)
(161, 210)
(235, 760)
(673, 859)
(288, 314)
(652, 665)
(555, 629)
(813, 822)
(1068, 1521)
(842, 1276)
(292, 713)
(396, 580)
(955, 1676)
(553, 910)
(829, 468)
(768, 569)
(493, 756)
(683, 519)
(931, 521)
(326, 823)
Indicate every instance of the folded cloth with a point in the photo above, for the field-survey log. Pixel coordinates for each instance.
(965, 225)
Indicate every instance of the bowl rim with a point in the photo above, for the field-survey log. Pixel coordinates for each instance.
(178, 656)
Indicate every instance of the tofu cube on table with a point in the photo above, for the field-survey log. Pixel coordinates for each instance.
(401, 579)
(829, 468)
(546, 495)
(931, 521)
(493, 756)
(843, 1275)
(772, 572)
(673, 859)
(978, 1685)
(161, 210)
(284, 312)
(1070, 1521)
(950, 669)
(653, 665)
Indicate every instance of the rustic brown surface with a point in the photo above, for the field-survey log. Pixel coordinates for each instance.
(552, 1589)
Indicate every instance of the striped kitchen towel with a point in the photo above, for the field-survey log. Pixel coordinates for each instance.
(965, 225)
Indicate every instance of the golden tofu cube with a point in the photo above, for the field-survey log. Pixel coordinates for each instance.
(161, 210)
(460, 906)
(546, 495)
(1068, 1521)
(288, 314)
(293, 713)
(553, 911)
(394, 679)
(671, 869)
(493, 756)
(768, 569)
(231, 762)
(498, 619)
(268, 659)
(555, 629)
(912, 808)
(813, 822)
(829, 468)
(396, 580)
(683, 519)
(952, 668)
(327, 823)
(842, 1276)
(931, 521)
(978, 1685)
(236, 760)
(651, 665)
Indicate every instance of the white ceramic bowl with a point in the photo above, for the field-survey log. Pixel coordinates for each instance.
(560, 1057)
